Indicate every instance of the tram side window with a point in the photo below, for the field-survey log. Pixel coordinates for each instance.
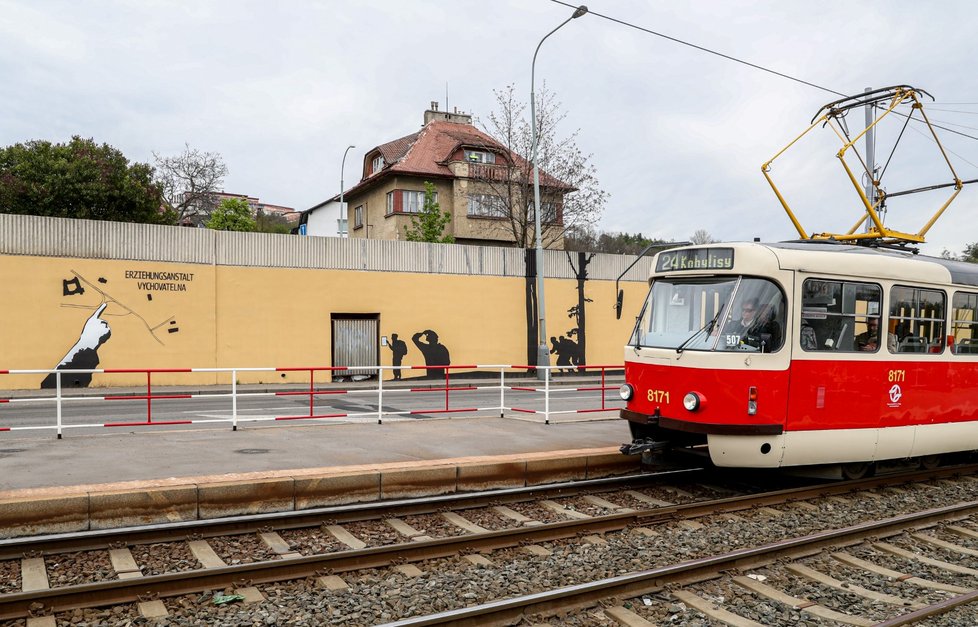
(964, 323)
(839, 315)
(917, 319)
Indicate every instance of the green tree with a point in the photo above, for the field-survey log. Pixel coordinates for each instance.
(233, 214)
(78, 179)
(970, 253)
(607, 242)
(272, 223)
(429, 223)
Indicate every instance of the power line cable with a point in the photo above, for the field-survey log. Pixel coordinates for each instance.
(973, 128)
(787, 76)
(741, 61)
(703, 49)
(952, 111)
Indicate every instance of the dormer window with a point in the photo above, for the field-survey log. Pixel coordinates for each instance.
(377, 165)
(479, 156)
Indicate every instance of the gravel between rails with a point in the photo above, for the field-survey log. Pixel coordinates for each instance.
(67, 569)
(9, 576)
(159, 559)
(312, 541)
(386, 594)
(241, 549)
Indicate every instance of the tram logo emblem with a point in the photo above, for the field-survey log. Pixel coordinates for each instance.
(895, 395)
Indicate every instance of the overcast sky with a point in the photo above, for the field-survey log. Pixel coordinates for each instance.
(677, 135)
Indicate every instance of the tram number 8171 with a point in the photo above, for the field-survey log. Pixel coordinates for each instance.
(658, 396)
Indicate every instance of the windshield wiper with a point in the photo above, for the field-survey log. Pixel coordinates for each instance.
(708, 327)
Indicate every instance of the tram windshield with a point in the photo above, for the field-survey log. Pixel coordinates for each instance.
(724, 313)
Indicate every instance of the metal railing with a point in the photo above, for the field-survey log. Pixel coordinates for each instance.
(451, 396)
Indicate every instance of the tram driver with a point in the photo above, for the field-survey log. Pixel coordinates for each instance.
(758, 326)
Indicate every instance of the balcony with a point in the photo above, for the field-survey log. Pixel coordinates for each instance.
(488, 172)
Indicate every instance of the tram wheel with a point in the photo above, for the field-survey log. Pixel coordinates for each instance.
(857, 470)
(930, 462)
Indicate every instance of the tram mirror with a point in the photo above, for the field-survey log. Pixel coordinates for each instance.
(618, 300)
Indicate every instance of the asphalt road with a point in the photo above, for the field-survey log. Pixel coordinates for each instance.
(211, 411)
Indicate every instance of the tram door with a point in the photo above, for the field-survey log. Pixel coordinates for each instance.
(355, 343)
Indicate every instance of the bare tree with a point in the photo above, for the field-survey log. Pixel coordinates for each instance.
(702, 236)
(569, 192)
(189, 181)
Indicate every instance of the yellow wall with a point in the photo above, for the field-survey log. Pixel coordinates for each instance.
(230, 316)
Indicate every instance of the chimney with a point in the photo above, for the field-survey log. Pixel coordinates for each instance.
(458, 117)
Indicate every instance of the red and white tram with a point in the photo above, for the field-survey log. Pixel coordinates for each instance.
(805, 353)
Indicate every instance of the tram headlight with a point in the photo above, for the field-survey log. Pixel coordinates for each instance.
(692, 401)
(626, 392)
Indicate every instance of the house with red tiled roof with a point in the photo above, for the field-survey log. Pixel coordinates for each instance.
(477, 180)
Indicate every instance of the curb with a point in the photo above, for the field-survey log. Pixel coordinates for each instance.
(105, 506)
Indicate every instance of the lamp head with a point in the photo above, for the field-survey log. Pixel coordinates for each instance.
(581, 10)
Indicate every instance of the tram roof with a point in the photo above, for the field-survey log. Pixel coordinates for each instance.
(961, 272)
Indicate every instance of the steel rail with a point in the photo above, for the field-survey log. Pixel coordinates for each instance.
(635, 584)
(17, 605)
(15, 548)
(931, 610)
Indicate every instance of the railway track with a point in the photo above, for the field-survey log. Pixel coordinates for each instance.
(359, 541)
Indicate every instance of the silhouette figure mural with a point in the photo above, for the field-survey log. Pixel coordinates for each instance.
(84, 354)
(435, 353)
(567, 351)
(399, 348)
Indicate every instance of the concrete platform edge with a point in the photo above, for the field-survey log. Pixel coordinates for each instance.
(99, 506)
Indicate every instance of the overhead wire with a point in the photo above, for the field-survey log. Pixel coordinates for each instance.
(743, 62)
(932, 108)
(755, 66)
(702, 48)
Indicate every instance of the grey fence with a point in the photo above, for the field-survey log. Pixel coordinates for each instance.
(91, 239)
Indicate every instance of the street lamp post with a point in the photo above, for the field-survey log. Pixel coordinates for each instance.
(543, 353)
(343, 213)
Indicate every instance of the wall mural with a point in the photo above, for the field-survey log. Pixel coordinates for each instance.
(95, 332)
(577, 312)
(399, 348)
(530, 298)
(570, 353)
(567, 350)
(435, 353)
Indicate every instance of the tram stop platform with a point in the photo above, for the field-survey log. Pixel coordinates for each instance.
(125, 478)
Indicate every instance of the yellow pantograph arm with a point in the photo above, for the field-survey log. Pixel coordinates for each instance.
(766, 169)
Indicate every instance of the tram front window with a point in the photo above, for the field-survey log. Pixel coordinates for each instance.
(715, 314)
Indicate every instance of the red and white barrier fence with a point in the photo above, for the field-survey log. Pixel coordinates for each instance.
(447, 391)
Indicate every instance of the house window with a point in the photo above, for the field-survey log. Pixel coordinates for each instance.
(414, 201)
(377, 165)
(487, 206)
(553, 212)
(358, 217)
(479, 156)
(406, 201)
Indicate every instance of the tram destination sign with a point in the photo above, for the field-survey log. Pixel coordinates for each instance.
(695, 259)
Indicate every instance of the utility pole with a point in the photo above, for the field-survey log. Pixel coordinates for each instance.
(870, 159)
